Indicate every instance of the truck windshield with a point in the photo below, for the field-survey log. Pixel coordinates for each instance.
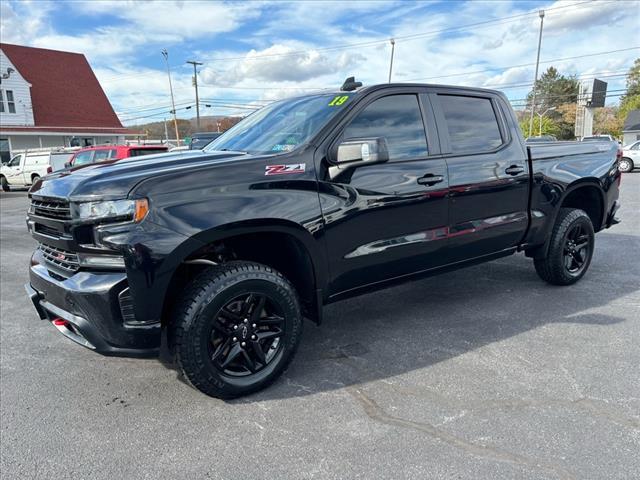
(281, 126)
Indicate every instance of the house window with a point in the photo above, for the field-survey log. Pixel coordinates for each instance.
(11, 104)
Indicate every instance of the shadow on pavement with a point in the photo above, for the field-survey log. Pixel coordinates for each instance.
(422, 323)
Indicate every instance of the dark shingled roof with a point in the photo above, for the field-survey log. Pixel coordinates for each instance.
(632, 122)
(64, 90)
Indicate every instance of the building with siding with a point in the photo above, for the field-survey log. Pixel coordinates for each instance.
(50, 98)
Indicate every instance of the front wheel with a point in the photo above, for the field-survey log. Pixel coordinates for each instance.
(570, 250)
(4, 184)
(625, 165)
(235, 329)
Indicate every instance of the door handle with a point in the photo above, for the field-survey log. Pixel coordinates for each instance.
(430, 179)
(514, 170)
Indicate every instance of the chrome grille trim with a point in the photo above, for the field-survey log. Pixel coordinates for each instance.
(63, 260)
(58, 210)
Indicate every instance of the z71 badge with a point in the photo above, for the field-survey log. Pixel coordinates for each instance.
(285, 169)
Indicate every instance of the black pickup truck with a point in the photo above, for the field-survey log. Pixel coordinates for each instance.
(307, 201)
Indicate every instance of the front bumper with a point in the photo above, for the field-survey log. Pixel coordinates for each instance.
(88, 303)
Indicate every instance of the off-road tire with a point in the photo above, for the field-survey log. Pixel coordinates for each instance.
(4, 184)
(553, 268)
(191, 327)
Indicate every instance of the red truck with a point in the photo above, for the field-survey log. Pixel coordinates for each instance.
(112, 152)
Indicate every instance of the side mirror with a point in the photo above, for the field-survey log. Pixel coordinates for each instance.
(358, 152)
(362, 151)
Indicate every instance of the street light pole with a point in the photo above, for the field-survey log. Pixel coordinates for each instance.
(393, 49)
(542, 115)
(195, 84)
(165, 54)
(535, 79)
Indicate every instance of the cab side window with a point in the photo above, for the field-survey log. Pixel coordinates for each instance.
(471, 122)
(83, 158)
(396, 118)
(15, 161)
(101, 155)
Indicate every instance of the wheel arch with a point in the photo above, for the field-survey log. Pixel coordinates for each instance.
(585, 194)
(283, 245)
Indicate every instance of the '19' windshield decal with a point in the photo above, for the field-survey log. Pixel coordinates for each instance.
(339, 100)
(285, 169)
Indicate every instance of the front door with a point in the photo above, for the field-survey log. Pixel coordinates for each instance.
(14, 171)
(386, 220)
(488, 174)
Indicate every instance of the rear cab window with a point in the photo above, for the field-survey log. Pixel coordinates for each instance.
(471, 122)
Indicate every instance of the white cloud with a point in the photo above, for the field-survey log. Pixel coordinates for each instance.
(279, 63)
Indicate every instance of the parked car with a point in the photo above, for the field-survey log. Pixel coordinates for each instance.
(101, 153)
(541, 138)
(306, 202)
(202, 139)
(630, 157)
(24, 169)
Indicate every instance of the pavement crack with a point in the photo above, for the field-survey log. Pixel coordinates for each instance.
(378, 414)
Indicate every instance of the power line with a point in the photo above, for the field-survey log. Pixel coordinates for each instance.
(369, 43)
(524, 64)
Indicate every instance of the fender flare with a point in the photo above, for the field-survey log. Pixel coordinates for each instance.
(586, 182)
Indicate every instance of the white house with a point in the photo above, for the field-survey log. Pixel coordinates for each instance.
(50, 98)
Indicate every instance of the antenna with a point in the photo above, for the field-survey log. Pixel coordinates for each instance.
(350, 84)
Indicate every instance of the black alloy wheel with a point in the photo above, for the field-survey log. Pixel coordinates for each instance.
(245, 335)
(577, 249)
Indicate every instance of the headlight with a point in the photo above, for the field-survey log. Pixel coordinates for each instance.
(134, 210)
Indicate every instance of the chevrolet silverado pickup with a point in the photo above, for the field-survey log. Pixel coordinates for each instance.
(308, 201)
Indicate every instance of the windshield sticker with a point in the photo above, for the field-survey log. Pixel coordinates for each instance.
(285, 169)
(339, 100)
(283, 148)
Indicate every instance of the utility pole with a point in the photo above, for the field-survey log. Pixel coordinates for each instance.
(166, 132)
(165, 54)
(195, 84)
(393, 48)
(535, 79)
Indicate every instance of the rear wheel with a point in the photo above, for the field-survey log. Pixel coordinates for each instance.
(34, 179)
(236, 329)
(570, 250)
(4, 184)
(625, 165)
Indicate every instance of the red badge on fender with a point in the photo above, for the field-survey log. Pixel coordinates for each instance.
(285, 169)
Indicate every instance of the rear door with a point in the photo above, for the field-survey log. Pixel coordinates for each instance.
(386, 220)
(488, 173)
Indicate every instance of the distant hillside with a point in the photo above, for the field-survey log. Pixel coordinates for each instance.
(211, 123)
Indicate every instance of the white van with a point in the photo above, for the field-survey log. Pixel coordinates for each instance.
(27, 166)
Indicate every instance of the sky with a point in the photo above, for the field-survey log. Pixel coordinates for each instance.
(254, 52)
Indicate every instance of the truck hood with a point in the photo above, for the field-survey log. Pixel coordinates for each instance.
(115, 179)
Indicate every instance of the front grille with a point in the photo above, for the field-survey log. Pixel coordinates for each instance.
(63, 260)
(51, 232)
(51, 209)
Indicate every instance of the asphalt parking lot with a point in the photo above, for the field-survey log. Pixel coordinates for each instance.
(482, 373)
